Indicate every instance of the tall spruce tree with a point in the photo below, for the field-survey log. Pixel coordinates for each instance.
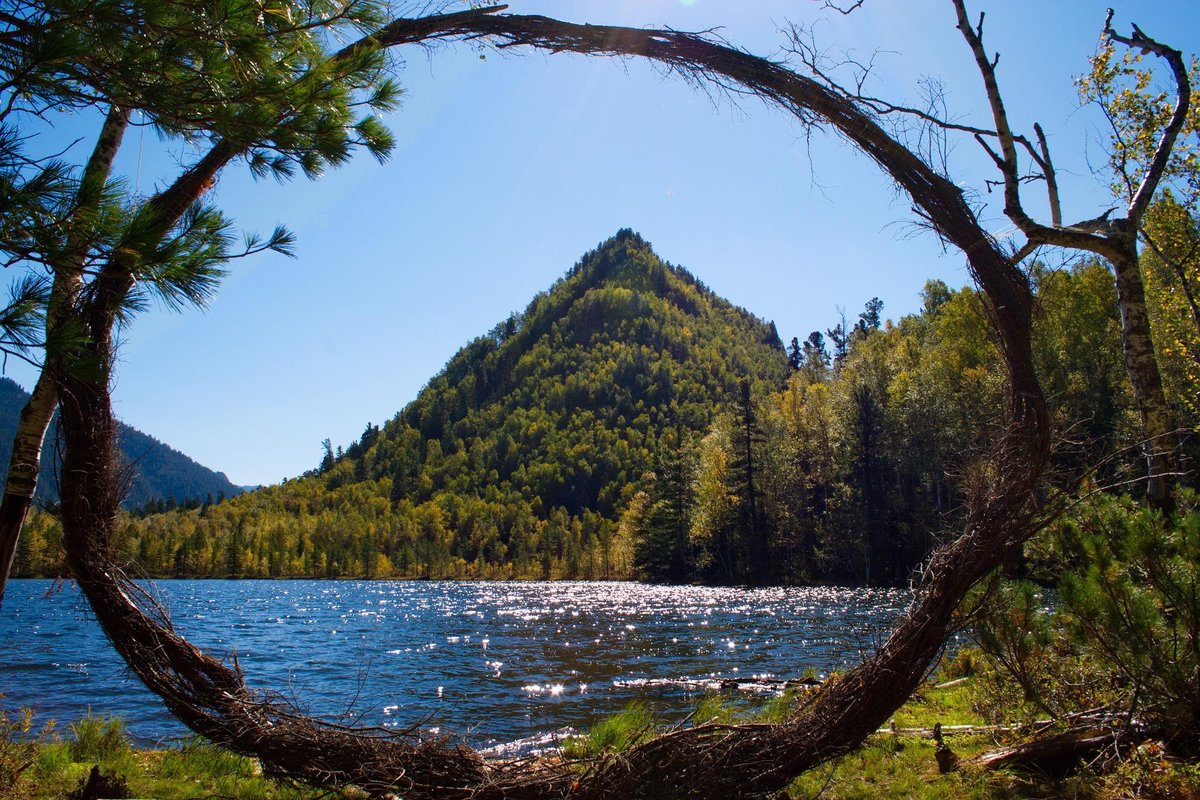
(663, 552)
(752, 529)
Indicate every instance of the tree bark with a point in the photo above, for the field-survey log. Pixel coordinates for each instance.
(1141, 364)
(1115, 240)
(26, 462)
(23, 470)
(1057, 754)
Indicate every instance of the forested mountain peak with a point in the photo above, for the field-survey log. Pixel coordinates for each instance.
(520, 456)
(626, 259)
(620, 348)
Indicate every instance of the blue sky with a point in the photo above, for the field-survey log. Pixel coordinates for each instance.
(511, 166)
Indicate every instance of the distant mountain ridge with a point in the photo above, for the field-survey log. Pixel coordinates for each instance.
(160, 473)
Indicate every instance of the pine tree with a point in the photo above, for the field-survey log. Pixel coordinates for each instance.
(270, 92)
(795, 354)
(815, 358)
(663, 551)
(327, 459)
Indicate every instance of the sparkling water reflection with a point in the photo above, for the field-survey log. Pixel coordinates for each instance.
(492, 662)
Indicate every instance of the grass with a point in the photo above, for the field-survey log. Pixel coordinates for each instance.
(42, 766)
(900, 765)
(892, 764)
(635, 723)
(903, 765)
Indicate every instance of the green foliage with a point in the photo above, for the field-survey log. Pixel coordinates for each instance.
(1133, 601)
(904, 767)
(1171, 268)
(1080, 364)
(663, 547)
(53, 760)
(714, 708)
(269, 83)
(1029, 670)
(1148, 772)
(197, 758)
(37, 765)
(634, 724)
(521, 457)
(16, 750)
(98, 739)
(1123, 632)
(1139, 105)
(629, 423)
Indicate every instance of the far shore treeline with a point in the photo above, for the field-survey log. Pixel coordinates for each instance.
(631, 424)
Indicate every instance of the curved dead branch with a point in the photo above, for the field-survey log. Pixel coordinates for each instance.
(705, 762)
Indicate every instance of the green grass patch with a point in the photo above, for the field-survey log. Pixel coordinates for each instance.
(891, 765)
(98, 739)
(930, 704)
(41, 765)
(616, 733)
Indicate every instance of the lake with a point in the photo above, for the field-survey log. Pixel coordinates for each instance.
(502, 665)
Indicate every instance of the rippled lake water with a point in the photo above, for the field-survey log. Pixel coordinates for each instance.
(494, 663)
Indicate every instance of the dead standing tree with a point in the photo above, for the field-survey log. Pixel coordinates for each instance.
(1113, 239)
(710, 761)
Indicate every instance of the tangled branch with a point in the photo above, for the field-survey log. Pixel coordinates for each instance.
(708, 761)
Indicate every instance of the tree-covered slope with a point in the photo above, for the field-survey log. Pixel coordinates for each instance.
(630, 424)
(159, 473)
(567, 401)
(519, 457)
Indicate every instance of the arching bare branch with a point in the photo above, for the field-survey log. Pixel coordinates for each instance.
(705, 762)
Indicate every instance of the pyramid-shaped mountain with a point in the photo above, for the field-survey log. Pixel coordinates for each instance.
(567, 401)
(519, 458)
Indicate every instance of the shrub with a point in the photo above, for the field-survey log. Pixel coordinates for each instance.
(1131, 597)
(1125, 631)
(16, 750)
(96, 739)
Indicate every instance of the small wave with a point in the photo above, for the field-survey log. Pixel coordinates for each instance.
(537, 745)
(756, 684)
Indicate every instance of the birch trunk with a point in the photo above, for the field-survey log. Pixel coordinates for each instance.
(23, 470)
(1141, 365)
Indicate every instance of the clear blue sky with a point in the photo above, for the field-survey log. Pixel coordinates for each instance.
(510, 167)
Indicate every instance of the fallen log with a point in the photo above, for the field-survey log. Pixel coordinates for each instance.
(927, 733)
(1055, 754)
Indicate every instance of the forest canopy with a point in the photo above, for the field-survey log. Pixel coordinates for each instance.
(602, 433)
